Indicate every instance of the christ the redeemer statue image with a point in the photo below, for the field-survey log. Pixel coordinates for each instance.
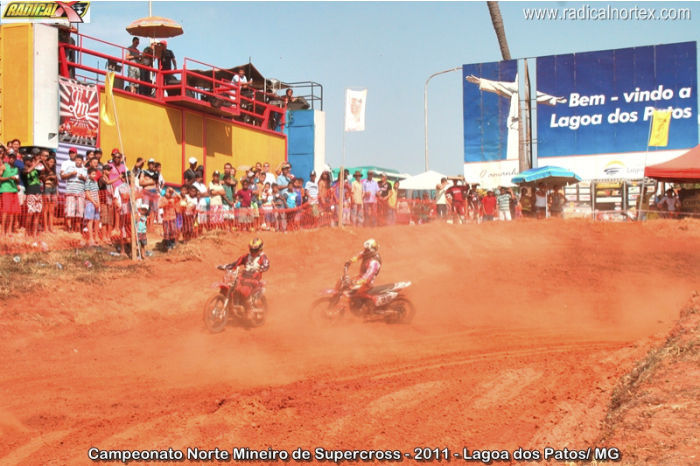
(510, 90)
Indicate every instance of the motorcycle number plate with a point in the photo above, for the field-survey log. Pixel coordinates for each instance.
(385, 299)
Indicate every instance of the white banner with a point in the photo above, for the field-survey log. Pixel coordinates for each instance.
(355, 110)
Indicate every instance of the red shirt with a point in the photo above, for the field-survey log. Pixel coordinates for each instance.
(456, 193)
(489, 203)
(245, 195)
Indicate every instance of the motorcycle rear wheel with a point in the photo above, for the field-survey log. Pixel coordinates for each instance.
(215, 315)
(258, 318)
(324, 312)
(404, 310)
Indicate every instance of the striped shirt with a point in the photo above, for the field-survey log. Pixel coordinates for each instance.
(504, 202)
(74, 185)
(93, 189)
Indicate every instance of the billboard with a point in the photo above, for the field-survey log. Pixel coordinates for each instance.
(593, 111)
(80, 113)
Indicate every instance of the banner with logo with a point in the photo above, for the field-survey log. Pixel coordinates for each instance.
(46, 12)
(355, 110)
(593, 112)
(80, 113)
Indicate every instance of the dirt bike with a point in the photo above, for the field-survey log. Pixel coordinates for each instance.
(228, 303)
(381, 302)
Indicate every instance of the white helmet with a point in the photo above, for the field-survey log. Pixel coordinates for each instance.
(371, 245)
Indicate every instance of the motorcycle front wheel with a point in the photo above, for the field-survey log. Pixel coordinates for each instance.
(404, 310)
(324, 312)
(215, 314)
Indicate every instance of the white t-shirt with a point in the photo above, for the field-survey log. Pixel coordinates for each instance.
(203, 190)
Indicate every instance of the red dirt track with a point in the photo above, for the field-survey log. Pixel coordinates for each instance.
(522, 331)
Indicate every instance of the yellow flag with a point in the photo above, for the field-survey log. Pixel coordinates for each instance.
(660, 123)
(107, 107)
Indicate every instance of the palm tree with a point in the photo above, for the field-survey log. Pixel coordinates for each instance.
(497, 21)
(524, 123)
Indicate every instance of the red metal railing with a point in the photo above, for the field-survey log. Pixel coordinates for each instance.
(211, 89)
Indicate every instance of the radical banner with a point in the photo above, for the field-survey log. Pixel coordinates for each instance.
(80, 113)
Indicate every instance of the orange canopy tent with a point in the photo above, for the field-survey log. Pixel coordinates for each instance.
(683, 169)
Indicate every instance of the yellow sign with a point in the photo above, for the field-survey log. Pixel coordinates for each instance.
(660, 123)
(51, 12)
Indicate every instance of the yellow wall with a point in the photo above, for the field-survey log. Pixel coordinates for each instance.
(148, 130)
(16, 82)
(153, 130)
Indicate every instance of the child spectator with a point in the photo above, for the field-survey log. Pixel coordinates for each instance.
(279, 204)
(50, 181)
(190, 213)
(244, 196)
(9, 194)
(391, 199)
(217, 191)
(267, 206)
(169, 204)
(142, 227)
(32, 169)
(203, 201)
(92, 207)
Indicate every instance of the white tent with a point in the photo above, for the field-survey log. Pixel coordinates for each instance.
(425, 180)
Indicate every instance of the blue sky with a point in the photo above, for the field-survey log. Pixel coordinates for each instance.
(390, 48)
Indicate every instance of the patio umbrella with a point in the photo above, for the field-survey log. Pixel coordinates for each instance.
(154, 27)
(549, 175)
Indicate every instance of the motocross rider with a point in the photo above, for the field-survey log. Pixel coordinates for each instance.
(254, 263)
(369, 268)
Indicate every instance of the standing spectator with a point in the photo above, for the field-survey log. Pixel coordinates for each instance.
(92, 207)
(391, 203)
(556, 202)
(145, 73)
(267, 206)
(541, 201)
(285, 179)
(489, 204)
(107, 202)
(134, 55)
(142, 227)
(123, 207)
(441, 198)
(202, 201)
(217, 191)
(9, 199)
(245, 198)
(347, 197)
(526, 204)
(190, 214)
(311, 189)
(190, 174)
(169, 204)
(33, 190)
(228, 200)
(370, 189)
(382, 199)
(503, 197)
(459, 202)
(168, 63)
(115, 179)
(268, 177)
(137, 170)
(75, 194)
(279, 205)
(149, 184)
(324, 185)
(670, 203)
(67, 172)
(476, 210)
(50, 181)
(357, 214)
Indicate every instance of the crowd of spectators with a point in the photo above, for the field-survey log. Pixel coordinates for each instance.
(96, 196)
